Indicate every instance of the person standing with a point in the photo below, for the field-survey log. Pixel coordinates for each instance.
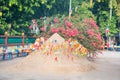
(3, 54)
(10, 55)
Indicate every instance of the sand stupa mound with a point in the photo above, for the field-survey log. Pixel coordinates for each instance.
(58, 63)
(56, 55)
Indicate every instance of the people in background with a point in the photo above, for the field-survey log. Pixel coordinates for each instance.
(3, 54)
(17, 52)
(10, 54)
(24, 51)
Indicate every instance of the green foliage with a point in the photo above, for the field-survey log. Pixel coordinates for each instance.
(102, 11)
(85, 12)
(85, 31)
(18, 13)
(118, 15)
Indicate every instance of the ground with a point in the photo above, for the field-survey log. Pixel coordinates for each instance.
(107, 67)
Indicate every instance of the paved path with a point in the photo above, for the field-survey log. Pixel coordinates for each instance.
(107, 68)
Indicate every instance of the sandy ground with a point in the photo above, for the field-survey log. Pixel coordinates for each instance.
(107, 67)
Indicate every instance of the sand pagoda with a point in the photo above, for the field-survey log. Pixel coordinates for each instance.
(55, 39)
(54, 56)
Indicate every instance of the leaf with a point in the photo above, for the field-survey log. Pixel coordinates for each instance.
(20, 8)
(37, 4)
(49, 6)
(0, 13)
(43, 1)
(32, 11)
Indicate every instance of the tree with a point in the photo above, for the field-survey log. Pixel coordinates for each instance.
(18, 13)
(101, 10)
(82, 10)
(118, 14)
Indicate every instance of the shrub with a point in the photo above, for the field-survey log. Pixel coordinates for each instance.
(86, 32)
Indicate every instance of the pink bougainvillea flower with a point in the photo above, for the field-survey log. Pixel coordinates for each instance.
(33, 21)
(96, 27)
(91, 22)
(107, 44)
(94, 44)
(68, 23)
(75, 30)
(71, 32)
(62, 30)
(35, 25)
(56, 20)
(79, 37)
(55, 30)
(30, 27)
(85, 21)
(67, 32)
(91, 32)
(42, 29)
(98, 36)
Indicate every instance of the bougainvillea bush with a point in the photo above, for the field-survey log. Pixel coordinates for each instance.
(89, 35)
(86, 32)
